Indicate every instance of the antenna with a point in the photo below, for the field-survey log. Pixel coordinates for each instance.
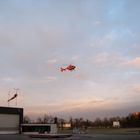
(16, 89)
(8, 98)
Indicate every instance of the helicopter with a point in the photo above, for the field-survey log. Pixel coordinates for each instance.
(69, 67)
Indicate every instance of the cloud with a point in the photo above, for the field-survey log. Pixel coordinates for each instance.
(42, 80)
(81, 76)
(76, 57)
(50, 78)
(87, 108)
(52, 61)
(35, 41)
(106, 59)
(79, 105)
(134, 89)
(8, 79)
(98, 22)
(6, 38)
(113, 40)
(135, 62)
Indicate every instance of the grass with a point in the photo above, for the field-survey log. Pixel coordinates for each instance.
(113, 131)
(108, 131)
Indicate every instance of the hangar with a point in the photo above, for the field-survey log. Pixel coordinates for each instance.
(10, 120)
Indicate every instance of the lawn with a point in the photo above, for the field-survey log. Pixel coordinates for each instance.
(107, 131)
(113, 131)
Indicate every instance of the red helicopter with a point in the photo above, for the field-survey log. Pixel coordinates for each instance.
(69, 67)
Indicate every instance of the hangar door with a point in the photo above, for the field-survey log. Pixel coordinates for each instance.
(9, 123)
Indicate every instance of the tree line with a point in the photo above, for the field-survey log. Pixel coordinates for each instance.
(132, 120)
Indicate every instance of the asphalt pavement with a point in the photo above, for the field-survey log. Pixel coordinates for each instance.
(75, 137)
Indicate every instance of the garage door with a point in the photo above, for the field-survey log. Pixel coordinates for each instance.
(9, 123)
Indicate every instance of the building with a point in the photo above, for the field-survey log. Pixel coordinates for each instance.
(67, 125)
(116, 124)
(10, 120)
(39, 128)
(135, 114)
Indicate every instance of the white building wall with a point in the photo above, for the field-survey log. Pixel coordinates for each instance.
(9, 123)
(116, 124)
(53, 128)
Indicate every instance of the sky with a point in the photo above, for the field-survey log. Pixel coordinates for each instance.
(100, 37)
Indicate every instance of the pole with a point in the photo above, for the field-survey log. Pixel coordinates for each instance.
(16, 101)
(8, 98)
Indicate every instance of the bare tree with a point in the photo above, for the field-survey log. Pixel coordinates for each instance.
(26, 119)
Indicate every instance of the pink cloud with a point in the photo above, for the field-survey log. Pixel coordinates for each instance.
(134, 62)
(72, 105)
